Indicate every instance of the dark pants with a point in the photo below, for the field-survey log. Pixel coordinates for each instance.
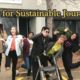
(35, 65)
(14, 58)
(7, 61)
(50, 59)
(68, 65)
(0, 58)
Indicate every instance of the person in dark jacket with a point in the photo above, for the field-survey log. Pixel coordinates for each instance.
(40, 42)
(69, 47)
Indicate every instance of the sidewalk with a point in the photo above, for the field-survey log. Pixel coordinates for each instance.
(6, 75)
(75, 72)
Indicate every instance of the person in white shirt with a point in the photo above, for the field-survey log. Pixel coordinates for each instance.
(13, 49)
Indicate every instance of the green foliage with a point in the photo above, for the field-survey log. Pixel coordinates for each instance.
(62, 31)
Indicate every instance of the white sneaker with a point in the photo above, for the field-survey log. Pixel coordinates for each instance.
(17, 72)
(7, 68)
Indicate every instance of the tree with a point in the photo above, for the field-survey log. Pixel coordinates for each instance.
(50, 23)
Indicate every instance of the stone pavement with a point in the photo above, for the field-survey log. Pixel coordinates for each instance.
(6, 75)
(76, 71)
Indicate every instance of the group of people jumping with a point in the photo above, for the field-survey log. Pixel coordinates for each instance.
(31, 46)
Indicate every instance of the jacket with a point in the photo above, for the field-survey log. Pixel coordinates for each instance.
(39, 45)
(18, 45)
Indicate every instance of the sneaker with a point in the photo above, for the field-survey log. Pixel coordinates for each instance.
(47, 76)
(70, 78)
(24, 66)
(7, 68)
(29, 72)
(17, 72)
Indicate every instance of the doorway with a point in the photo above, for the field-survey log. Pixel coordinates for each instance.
(24, 25)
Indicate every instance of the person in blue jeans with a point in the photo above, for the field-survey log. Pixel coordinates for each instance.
(29, 37)
(26, 47)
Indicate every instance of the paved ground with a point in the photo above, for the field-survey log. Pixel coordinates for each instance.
(6, 75)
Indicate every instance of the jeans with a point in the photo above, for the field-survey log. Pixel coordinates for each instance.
(26, 62)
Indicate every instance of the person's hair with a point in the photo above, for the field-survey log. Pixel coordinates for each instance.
(44, 28)
(27, 35)
(30, 33)
(77, 38)
(15, 29)
(62, 36)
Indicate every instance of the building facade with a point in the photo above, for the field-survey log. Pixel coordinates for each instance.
(34, 24)
(24, 24)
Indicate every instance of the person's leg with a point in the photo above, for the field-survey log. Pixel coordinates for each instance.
(24, 65)
(35, 68)
(52, 64)
(29, 70)
(27, 62)
(7, 62)
(44, 60)
(73, 65)
(0, 60)
(14, 63)
(66, 63)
